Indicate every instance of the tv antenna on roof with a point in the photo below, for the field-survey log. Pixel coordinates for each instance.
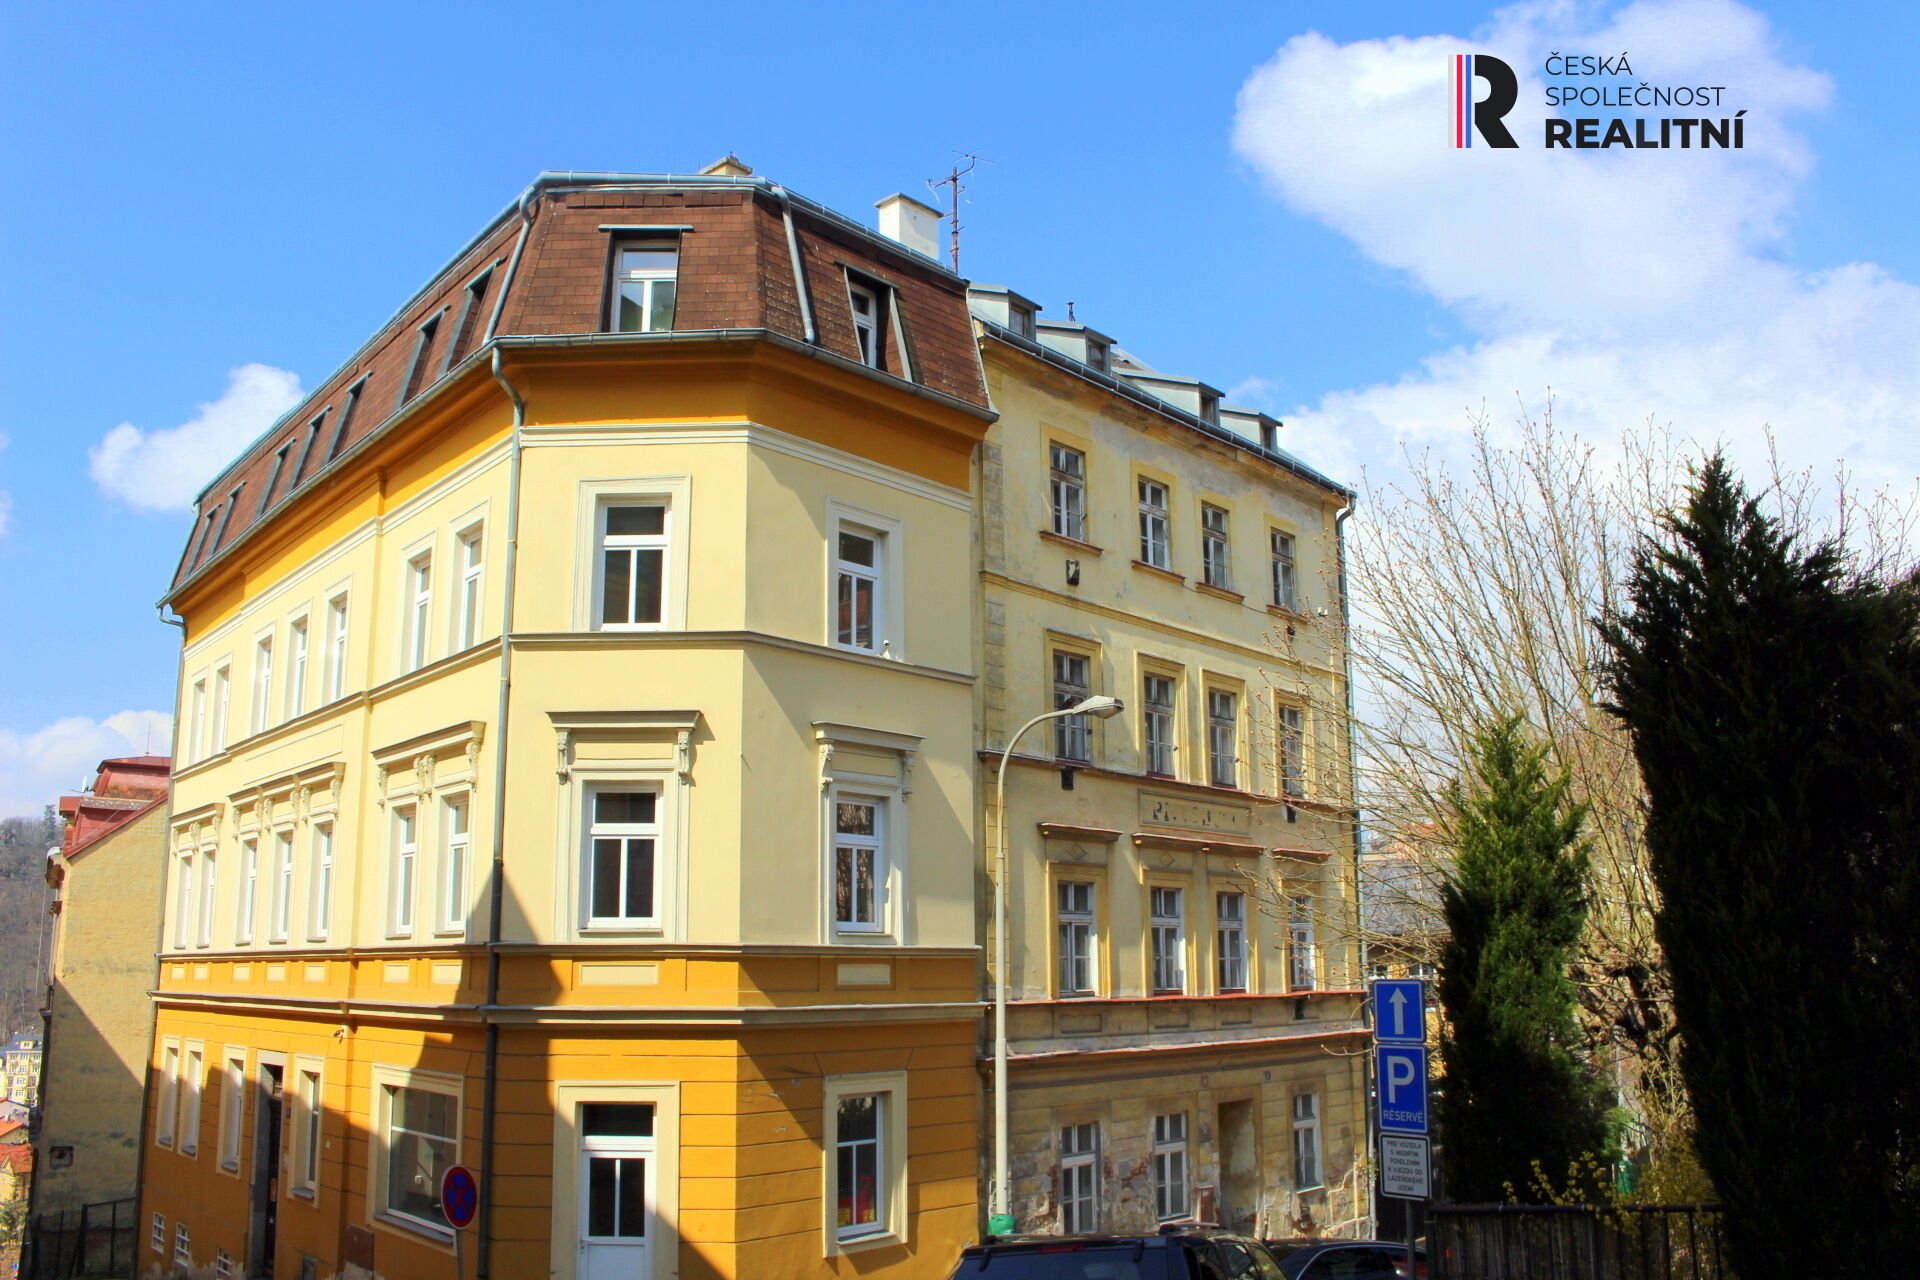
(954, 187)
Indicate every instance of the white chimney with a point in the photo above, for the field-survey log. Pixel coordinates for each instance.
(915, 225)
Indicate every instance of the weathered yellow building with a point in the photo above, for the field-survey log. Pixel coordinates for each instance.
(589, 699)
(1185, 985)
(108, 878)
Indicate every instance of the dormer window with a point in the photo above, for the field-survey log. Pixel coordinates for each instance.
(1098, 356)
(645, 279)
(1210, 408)
(1020, 320)
(868, 323)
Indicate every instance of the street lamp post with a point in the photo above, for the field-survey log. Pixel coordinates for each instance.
(999, 1204)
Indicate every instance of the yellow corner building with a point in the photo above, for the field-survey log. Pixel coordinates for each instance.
(590, 700)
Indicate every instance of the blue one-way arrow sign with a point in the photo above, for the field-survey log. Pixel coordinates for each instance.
(1400, 1011)
(1401, 1078)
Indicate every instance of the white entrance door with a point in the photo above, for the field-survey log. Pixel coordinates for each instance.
(616, 1191)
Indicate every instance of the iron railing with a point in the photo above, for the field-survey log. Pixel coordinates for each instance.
(93, 1240)
(1576, 1242)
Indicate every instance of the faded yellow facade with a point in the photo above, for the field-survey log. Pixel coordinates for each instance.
(100, 1019)
(1171, 1072)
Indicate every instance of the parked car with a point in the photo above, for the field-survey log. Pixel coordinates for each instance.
(1347, 1259)
(1180, 1251)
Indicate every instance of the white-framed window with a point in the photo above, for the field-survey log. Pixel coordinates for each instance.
(320, 898)
(209, 898)
(1284, 573)
(249, 903)
(182, 1245)
(1171, 1199)
(297, 646)
(623, 857)
(308, 1118)
(860, 1177)
(1293, 756)
(222, 707)
(471, 550)
(167, 1105)
(1167, 938)
(1155, 546)
(262, 685)
(1158, 726)
(456, 842)
(1216, 554)
(280, 920)
(633, 536)
(865, 1155)
(859, 863)
(403, 869)
(195, 746)
(1302, 966)
(418, 618)
(1080, 1177)
(336, 647)
(1230, 935)
(1306, 1141)
(233, 1083)
(182, 897)
(191, 1085)
(416, 1136)
(157, 1232)
(1077, 923)
(869, 323)
(859, 587)
(1072, 684)
(1223, 738)
(1067, 490)
(645, 281)
(222, 1265)
(1425, 970)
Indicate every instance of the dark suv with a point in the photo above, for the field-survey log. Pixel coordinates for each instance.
(1181, 1251)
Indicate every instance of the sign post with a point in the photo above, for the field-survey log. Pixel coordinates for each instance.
(1400, 1094)
(459, 1204)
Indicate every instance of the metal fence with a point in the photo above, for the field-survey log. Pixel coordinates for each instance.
(1576, 1242)
(93, 1240)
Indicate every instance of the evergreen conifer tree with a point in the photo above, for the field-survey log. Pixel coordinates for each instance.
(1517, 1101)
(1773, 694)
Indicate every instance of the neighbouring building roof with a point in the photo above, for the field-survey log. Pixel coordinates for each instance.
(123, 788)
(16, 1159)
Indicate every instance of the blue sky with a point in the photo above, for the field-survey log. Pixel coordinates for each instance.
(194, 188)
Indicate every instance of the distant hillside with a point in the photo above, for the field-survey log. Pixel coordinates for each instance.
(25, 926)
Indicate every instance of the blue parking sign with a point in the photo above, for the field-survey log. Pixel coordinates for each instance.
(1400, 1076)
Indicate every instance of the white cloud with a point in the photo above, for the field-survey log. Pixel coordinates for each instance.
(37, 768)
(1633, 283)
(162, 469)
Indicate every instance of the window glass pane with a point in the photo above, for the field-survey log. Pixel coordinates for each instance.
(660, 314)
(853, 819)
(636, 521)
(855, 549)
(413, 1174)
(646, 584)
(633, 1197)
(616, 1120)
(650, 257)
(616, 594)
(633, 309)
(606, 878)
(639, 879)
(636, 807)
(863, 885)
(430, 1113)
(603, 1179)
(859, 1118)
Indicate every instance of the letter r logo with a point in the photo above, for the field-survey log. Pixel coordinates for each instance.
(1503, 90)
